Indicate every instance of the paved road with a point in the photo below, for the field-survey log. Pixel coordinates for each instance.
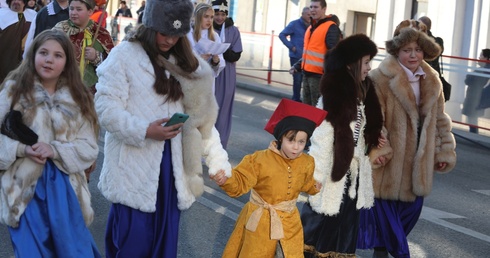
(454, 222)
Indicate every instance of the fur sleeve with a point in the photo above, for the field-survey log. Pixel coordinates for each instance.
(321, 150)
(215, 156)
(77, 155)
(111, 99)
(445, 143)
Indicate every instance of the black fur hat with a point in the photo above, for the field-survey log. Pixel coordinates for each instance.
(349, 50)
(169, 17)
(429, 46)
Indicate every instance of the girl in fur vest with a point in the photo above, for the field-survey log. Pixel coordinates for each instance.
(419, 133)
(48, 139)
(152, 172)
(269, 223)
(340, 146)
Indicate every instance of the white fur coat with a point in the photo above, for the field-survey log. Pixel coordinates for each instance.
(127, 103)
(57, 121)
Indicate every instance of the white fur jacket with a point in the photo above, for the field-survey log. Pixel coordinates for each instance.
(410, 172)
(329, 199)
(57, 120)
(127, 103)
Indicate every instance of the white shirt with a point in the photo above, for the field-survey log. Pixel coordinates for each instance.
(414, 79)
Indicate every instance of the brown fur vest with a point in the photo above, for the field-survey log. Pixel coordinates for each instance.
(340, 101)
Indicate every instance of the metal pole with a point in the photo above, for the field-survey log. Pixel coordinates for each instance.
(269, 73)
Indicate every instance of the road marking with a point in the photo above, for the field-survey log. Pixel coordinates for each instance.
(223, 197)
(250, 100)
(485, 192)
(436, 216)
(217, 208)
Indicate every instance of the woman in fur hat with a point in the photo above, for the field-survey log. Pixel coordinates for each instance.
(339, 146)
(419, 133)
(152, 172)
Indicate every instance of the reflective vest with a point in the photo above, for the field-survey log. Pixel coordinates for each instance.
(315, 48)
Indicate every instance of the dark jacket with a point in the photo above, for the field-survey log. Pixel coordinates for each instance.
(296, 32)
(46, 21)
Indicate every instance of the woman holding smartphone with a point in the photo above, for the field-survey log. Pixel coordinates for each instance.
(151, 172)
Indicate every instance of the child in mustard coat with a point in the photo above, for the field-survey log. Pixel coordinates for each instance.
(275, 177)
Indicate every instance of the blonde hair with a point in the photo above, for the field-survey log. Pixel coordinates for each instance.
(199, 12)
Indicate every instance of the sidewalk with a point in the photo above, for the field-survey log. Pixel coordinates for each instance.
(285, 91)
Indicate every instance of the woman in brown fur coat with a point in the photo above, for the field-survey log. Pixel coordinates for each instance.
(419, 133)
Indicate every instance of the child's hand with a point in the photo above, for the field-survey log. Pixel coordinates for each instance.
(206, 56)
(45, 150)
(441, 166)
(220, 177)
(90, 53)
(34, 155)
(215, 59)
(318, 186)
(158, 132)
(382, 141)
(380, 161)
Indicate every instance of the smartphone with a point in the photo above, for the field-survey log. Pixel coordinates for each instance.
(177, 118)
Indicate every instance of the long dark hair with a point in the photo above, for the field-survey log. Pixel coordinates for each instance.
(355, 72)
(25, 74)
(182, 52)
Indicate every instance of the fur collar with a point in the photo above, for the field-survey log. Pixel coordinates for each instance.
(430, 86)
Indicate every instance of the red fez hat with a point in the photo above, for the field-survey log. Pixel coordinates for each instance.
(293, 115)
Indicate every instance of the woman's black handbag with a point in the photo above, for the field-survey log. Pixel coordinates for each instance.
(446, 86)
(14, 128)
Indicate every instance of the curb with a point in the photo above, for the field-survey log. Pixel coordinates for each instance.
(266, 89)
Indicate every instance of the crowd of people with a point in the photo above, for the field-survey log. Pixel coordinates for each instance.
(364, 153)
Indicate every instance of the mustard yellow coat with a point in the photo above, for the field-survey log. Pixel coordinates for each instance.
(275, 179)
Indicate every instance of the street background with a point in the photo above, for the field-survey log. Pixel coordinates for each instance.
(454, 221)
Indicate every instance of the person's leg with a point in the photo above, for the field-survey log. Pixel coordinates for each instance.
(473, 120)
(297, 77)
(166, 225)
(410, 213)
(133, 233)
(391, 233)
(312, 223)
(314, 90)
(129, 232)
(306, 90)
